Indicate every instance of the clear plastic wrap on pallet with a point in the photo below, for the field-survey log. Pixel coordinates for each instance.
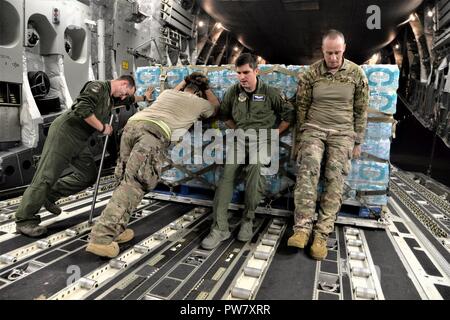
(148, 76)
(292, 82)
(280, 78)
(197, 165)
(368, 173)
(272, 78)
(215, 78)
(228, 79)
(193, 68)
(383, 101)
(365, 176)
(382, 77)
(378, 130)
(379, 148)
(220, 79)
(223, 77)
(383, 85)
(175, 75)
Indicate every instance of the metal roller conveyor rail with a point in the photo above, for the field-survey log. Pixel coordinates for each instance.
(103, 274)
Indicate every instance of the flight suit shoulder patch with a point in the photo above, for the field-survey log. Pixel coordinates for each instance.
(95, 87)
(242, 97)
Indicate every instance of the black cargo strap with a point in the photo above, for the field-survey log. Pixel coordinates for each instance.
(368, 156)
(361, 193)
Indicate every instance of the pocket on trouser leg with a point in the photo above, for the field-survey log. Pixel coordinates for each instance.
(347, 162)
(298, 158)
(119, 171)
(148, 173)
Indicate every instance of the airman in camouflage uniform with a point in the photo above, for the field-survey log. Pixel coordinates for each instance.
(332, 102)
(145, 138)
(66, 145)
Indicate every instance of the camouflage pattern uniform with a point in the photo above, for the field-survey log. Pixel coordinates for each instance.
(331, 119)
(138, 170)
(66, 145)
(144, 142)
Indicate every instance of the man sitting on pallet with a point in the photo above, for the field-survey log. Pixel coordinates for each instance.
(145, 137)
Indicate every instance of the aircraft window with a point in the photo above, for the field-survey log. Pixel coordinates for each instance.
(9, 24)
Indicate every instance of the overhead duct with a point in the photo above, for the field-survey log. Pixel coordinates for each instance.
(101, 46)
(136, 15)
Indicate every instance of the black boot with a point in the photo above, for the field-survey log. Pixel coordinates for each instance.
(52, 207)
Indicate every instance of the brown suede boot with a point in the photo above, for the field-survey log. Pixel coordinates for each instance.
(104, 250)
(319, 248)
(125, 236)
(299, 239)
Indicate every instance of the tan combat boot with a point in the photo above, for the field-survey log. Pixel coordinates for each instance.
(125, 236)
(319, 248)
(104, 250)
(299, 239)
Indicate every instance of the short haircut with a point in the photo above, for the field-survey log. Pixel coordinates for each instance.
(245, 58)
(128, 79)
(333, 34)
